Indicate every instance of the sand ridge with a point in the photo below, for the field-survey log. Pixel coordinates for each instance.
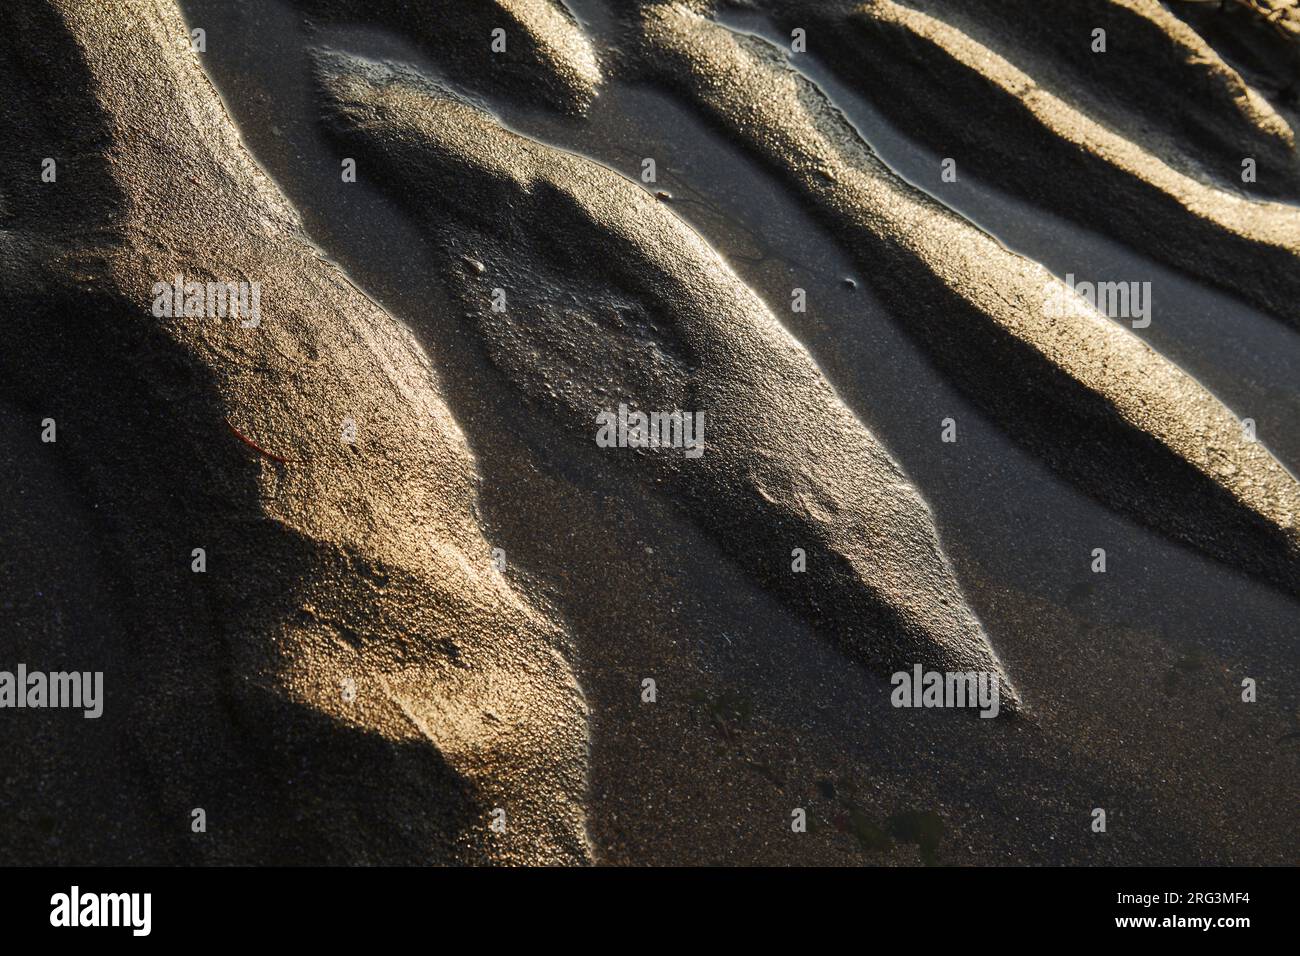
(664, 325)
(372, 664)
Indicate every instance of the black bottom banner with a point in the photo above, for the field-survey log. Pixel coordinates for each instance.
(338, 906)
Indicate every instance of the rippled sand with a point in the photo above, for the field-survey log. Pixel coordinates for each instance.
(440, 623)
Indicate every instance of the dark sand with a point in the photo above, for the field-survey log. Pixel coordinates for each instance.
(521, 689)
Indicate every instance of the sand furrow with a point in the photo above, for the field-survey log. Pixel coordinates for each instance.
(531, 50)
(1078, 389)
(349, 679)
(1158, 82)
(608, 299)
(921, 70)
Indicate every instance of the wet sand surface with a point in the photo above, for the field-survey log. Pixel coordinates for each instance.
(1129, 680)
